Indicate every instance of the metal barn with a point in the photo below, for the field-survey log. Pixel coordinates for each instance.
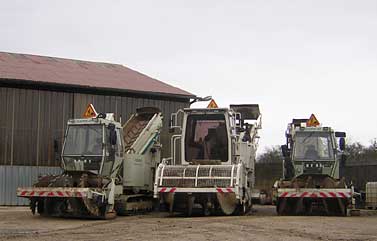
(39, 94)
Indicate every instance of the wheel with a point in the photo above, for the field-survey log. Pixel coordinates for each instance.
(282, 207)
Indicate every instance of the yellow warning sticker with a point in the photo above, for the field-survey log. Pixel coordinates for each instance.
(90, 112)
(212, 105)
(312, 121)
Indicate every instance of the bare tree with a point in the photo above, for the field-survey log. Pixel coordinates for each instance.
(271, 155)
(360, 153)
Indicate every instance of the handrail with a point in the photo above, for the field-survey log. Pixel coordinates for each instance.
(231, 180)
(196, 175)
(162, 174)
(173, 140)
(199, 178)
(238, 174)
(174, 118)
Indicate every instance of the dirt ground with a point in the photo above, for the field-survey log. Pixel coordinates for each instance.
(17, 223)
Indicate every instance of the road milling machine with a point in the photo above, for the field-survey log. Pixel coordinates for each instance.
(212, 163)
(311, 184)
(107, 169)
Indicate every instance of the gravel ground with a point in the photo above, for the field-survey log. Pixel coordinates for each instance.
(17, 223)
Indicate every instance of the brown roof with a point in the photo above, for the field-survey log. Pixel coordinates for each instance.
(72, 72)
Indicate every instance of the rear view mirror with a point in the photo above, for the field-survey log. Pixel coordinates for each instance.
(340, 134)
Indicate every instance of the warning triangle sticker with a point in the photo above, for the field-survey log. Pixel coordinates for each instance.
(312, 122)
(90, 112)
(212, 105)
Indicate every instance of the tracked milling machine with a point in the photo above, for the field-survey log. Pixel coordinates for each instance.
(311, 183)
(212, 164)
(107, 169)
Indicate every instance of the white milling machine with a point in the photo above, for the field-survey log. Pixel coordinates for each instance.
(212, 163)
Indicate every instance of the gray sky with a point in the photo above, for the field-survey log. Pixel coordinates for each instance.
(294, 58)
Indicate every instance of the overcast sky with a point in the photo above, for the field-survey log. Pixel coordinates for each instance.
(293, 58)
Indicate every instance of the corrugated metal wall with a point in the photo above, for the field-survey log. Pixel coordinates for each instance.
(32, 126)
(32, 122)
(12, 177)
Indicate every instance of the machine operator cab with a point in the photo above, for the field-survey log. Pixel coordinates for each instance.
(93, 145)
(209, 135)
(313, 149)
(206, 136)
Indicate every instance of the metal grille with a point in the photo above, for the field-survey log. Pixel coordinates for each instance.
(199, 176)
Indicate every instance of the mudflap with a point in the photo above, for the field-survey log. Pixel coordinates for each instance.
(166, 202)
(228, 203)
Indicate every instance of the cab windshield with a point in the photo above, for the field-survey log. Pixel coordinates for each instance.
(83, 140)
(313, 146)
(206, 138)
(83, 148)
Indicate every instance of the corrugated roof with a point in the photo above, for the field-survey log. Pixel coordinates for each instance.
(72, 72)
